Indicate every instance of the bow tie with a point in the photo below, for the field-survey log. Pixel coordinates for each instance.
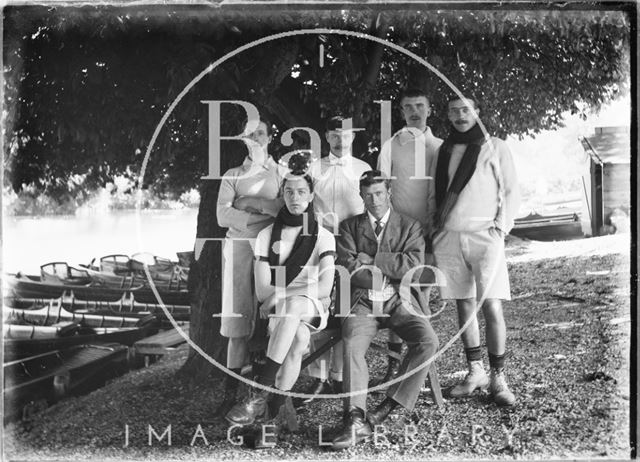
(338, 161)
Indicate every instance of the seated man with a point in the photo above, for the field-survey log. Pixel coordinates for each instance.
(394, 244)
(294, 273)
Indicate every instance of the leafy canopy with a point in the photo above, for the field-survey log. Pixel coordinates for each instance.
(85, 87)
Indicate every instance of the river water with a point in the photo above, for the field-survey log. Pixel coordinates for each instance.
(28, 242)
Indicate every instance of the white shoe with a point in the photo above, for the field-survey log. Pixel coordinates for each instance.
(500, 390)
(476, 378)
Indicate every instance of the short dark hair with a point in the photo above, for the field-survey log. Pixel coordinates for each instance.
(334, 123)
(265, 120)
(454, 97)
(371, 177)
(305, 177)
(412, 92)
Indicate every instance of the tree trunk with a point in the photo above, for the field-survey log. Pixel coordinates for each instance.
(367, 85)
(205, 274)
(205, 278)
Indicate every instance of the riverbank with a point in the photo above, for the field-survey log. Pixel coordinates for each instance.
(121, 194)
(568, 334)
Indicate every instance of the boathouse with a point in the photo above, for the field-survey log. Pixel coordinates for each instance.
(607, 182)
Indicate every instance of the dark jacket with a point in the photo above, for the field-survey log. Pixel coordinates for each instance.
(401, 248)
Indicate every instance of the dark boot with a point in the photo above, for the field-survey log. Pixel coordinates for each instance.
(283, 412)
(382, 412)
(392, 370)
(231, 386)
(253, 407)
(337, 387)
(355, 430)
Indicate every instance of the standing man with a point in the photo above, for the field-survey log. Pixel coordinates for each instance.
(247, 203)
(477, 197)
(392, 244)
(337, 197)
(409, 159)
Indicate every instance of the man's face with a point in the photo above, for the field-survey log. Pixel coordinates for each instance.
(415, 111)
(463, 114)
(377, 199)
(260, 135)
(340, 141)
(297, 195)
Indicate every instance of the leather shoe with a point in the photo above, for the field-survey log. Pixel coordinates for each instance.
(355, 430)
(252, 408)
(382, 412)
(225, 406)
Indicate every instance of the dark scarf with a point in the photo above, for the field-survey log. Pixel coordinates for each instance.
(302, 247)
(446, 198)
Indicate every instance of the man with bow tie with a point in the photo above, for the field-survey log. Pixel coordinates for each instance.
(337, 197)
(381, 241)
(336, 176)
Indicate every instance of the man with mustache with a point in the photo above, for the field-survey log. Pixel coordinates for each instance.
(477, 197)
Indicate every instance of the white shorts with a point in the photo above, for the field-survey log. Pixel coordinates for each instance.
(474, 265)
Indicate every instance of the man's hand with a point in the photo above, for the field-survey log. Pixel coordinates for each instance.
(248, 204)
(365, 258)
(267, 307)
(497, 232)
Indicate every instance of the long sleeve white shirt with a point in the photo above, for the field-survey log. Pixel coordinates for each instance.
(262, 181)
(336, 189)
(492, 196)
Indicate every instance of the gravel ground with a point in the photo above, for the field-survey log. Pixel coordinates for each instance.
(568, 335)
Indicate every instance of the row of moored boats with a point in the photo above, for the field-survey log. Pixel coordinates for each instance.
(71, 328)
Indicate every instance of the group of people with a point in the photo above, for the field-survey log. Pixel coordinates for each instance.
(447, 203)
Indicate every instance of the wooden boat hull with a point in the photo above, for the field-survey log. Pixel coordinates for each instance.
(559, 227)
(123, 307)
(160, 269)
(18, 348)
(33, 287)
(47, 315)
(44, 379)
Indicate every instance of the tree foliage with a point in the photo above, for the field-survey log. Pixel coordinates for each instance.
(86, 86)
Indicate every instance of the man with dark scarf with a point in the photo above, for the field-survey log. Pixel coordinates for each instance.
(294, 273)
(477, 198)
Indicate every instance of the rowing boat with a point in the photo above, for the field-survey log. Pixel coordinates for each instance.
(27, 340)
(62, 273)
(29, 286)
(160, 269)
(125, 306)
(47, 315)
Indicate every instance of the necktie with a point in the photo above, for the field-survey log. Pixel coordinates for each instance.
(378, 229)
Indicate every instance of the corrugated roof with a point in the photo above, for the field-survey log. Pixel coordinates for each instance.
(609, 145)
